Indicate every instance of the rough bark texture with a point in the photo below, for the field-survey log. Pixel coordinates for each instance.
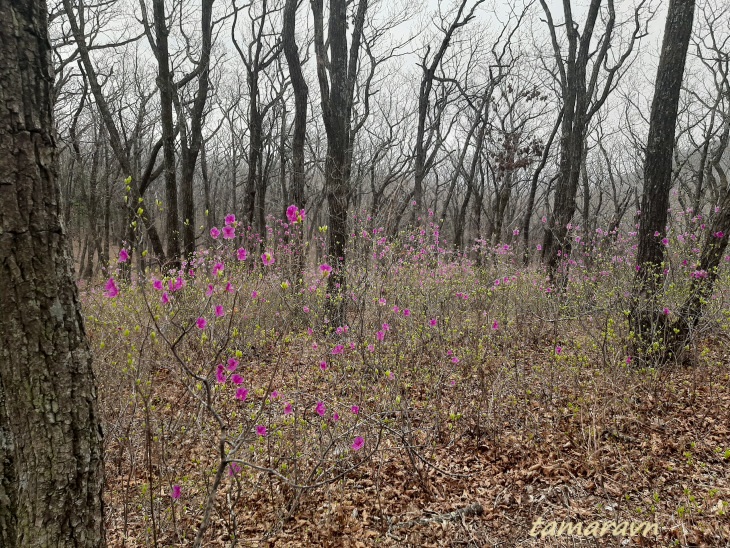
(50, 440)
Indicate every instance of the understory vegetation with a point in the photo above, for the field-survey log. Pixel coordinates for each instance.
(463, 398)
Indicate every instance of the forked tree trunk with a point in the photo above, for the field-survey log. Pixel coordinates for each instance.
(50, 441)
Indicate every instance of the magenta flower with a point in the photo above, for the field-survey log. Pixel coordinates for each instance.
(323, 365)
(218, 268)
(214, 233)
(338, 349)
(358, 443)
(432, 322)
(210, 290)
(274, 394)
(371, 348)
(355, 409)
(110, 288)
(230, 219)
(230, 288)
(325, 269)
(229, 232)
(175, 492)
(455, 359)
(254, 294)
(288, 409)
(261, 430)
(321, 409)
(219, 312)
(236, 379)
(233, 469)
(396, 309)
(291, 213)
(232, 364)
(386, 327)
(719, 234)
(495, 325)
(241, 394)
(666, 311)
(305, 309)
(380, 335)
(157, 284)
(558, 350)
(123, 255)
(335, 417)
(220, 374)
(242, 254)
(165, 298)
(268, 259)
(406, 312)
(202, 323)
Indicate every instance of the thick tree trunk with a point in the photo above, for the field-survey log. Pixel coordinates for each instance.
(647, 320)
(50, 439)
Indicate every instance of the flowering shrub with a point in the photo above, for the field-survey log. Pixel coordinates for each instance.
(230, 375)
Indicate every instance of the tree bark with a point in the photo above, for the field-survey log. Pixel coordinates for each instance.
(50, 439)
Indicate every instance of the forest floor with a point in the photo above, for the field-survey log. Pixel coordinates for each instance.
(638, 448)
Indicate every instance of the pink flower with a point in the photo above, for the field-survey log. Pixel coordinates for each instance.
(371, 348)
(236, 379)
(433, 322)
(268, 259)
(558, 350)
(214, 233)
(455, 359)
(323, 365)
(495, 325)
(254, 294)
(719, 234)
(355, 409)
(241, 394)
(406, 312)
(210, 290)
(386, 327)
(233, 469)
(380, 335)
(335, 417)
(242, 254)
(396, 309)
(229, 232)
(218, 268)
(338, 349)
(157, 284)
(288, 409)
(165, 298)
(230, 219)
(123, 255)
(230, 288)
(220, 374)
(321, 409)
(274, 395)
(666, 311)
(325, 269)
(202, 323)
(110, 288)
(175, 492)
(539, 247)
(381, 301)
(219, 312)
(291, 213)
(305, 309)
(516, 232)
(232, 364)
(261, 430)
(358, 443)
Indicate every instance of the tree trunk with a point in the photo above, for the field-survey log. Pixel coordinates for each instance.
(301, 91)
(50, 439)
(646, 318)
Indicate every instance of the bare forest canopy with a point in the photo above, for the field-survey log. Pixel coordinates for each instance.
(471, 110)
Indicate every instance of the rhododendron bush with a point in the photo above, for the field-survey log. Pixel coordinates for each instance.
(228, 393)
